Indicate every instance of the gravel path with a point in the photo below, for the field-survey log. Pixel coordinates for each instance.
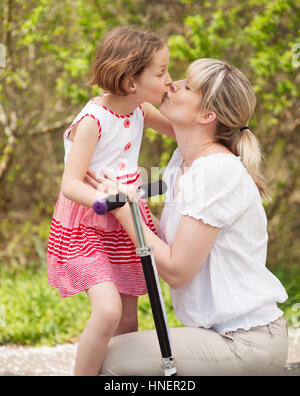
(59, 360)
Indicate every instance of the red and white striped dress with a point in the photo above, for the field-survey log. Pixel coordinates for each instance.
(84, 248)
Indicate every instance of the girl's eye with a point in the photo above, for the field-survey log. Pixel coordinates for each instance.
(187, 88)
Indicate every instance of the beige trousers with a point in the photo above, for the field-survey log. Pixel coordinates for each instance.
(260, 351)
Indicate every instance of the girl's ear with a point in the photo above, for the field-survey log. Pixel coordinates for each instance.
(206, 118)
(129, 85)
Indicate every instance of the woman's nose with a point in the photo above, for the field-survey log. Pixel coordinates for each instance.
(175, 86)
(172, 88)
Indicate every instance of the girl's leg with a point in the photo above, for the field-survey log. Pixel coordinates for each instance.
(106, 310)
(129, 319)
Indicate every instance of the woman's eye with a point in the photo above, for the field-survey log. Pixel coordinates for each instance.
(186, 87)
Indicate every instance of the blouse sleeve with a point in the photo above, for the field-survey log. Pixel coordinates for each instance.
(214, 190)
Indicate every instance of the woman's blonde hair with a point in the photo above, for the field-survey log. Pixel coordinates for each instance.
(228, 93)
(122, 52)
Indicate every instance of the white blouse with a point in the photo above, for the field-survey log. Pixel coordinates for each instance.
(233, 289)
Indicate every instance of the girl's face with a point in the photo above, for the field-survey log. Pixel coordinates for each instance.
(154, 82)
(181, 105)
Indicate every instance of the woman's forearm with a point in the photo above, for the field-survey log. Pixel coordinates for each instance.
(162, 252)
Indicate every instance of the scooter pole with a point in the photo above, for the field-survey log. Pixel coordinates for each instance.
(150, 273)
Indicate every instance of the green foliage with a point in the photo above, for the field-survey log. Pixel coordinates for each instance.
(49, 48)
(36, 315)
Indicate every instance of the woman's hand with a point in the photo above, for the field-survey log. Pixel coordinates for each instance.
(107, 184)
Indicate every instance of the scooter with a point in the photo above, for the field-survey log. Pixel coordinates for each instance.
(150, 272)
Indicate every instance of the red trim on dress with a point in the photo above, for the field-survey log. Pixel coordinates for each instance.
(67, 132)
(111, 112)
(142, 110)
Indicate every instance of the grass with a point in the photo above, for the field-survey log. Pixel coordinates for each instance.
(32, 313)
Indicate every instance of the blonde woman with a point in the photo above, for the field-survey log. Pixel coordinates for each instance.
(214, 239)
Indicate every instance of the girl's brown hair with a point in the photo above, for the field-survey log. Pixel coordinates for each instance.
(122, 52)
(227, 92)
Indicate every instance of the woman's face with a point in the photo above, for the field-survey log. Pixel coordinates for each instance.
(181, 104)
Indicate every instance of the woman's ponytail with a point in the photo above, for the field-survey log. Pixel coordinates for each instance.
(248, 148)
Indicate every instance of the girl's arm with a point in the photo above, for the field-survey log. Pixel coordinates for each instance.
(155, 120)
(73, 186)
(177, 264)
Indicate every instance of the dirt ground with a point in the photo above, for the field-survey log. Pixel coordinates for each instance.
(59, 360)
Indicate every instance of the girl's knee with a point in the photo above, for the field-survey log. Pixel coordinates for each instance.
(106, 307)
(106, 319)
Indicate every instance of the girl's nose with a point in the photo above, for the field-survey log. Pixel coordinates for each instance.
(169, 80)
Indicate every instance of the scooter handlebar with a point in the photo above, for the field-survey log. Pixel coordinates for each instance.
(117, 201)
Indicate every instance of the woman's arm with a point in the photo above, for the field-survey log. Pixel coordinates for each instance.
(177, 264)
(155, 120)
(73, 186)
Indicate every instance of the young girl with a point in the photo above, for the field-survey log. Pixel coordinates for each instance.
(93, 253)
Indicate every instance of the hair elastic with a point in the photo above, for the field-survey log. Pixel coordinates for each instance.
(241, 129)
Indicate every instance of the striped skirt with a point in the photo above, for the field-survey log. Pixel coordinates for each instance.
(85, 249)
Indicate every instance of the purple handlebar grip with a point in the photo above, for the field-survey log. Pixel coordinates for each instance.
(100, 207)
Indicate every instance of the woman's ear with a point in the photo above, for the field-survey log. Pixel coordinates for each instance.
(206, 118)
(129, 85)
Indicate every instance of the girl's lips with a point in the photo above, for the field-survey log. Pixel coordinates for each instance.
(166, 96)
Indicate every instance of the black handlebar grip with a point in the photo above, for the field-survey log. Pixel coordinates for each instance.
(117, 201)
(110, 203)
(157, 188)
